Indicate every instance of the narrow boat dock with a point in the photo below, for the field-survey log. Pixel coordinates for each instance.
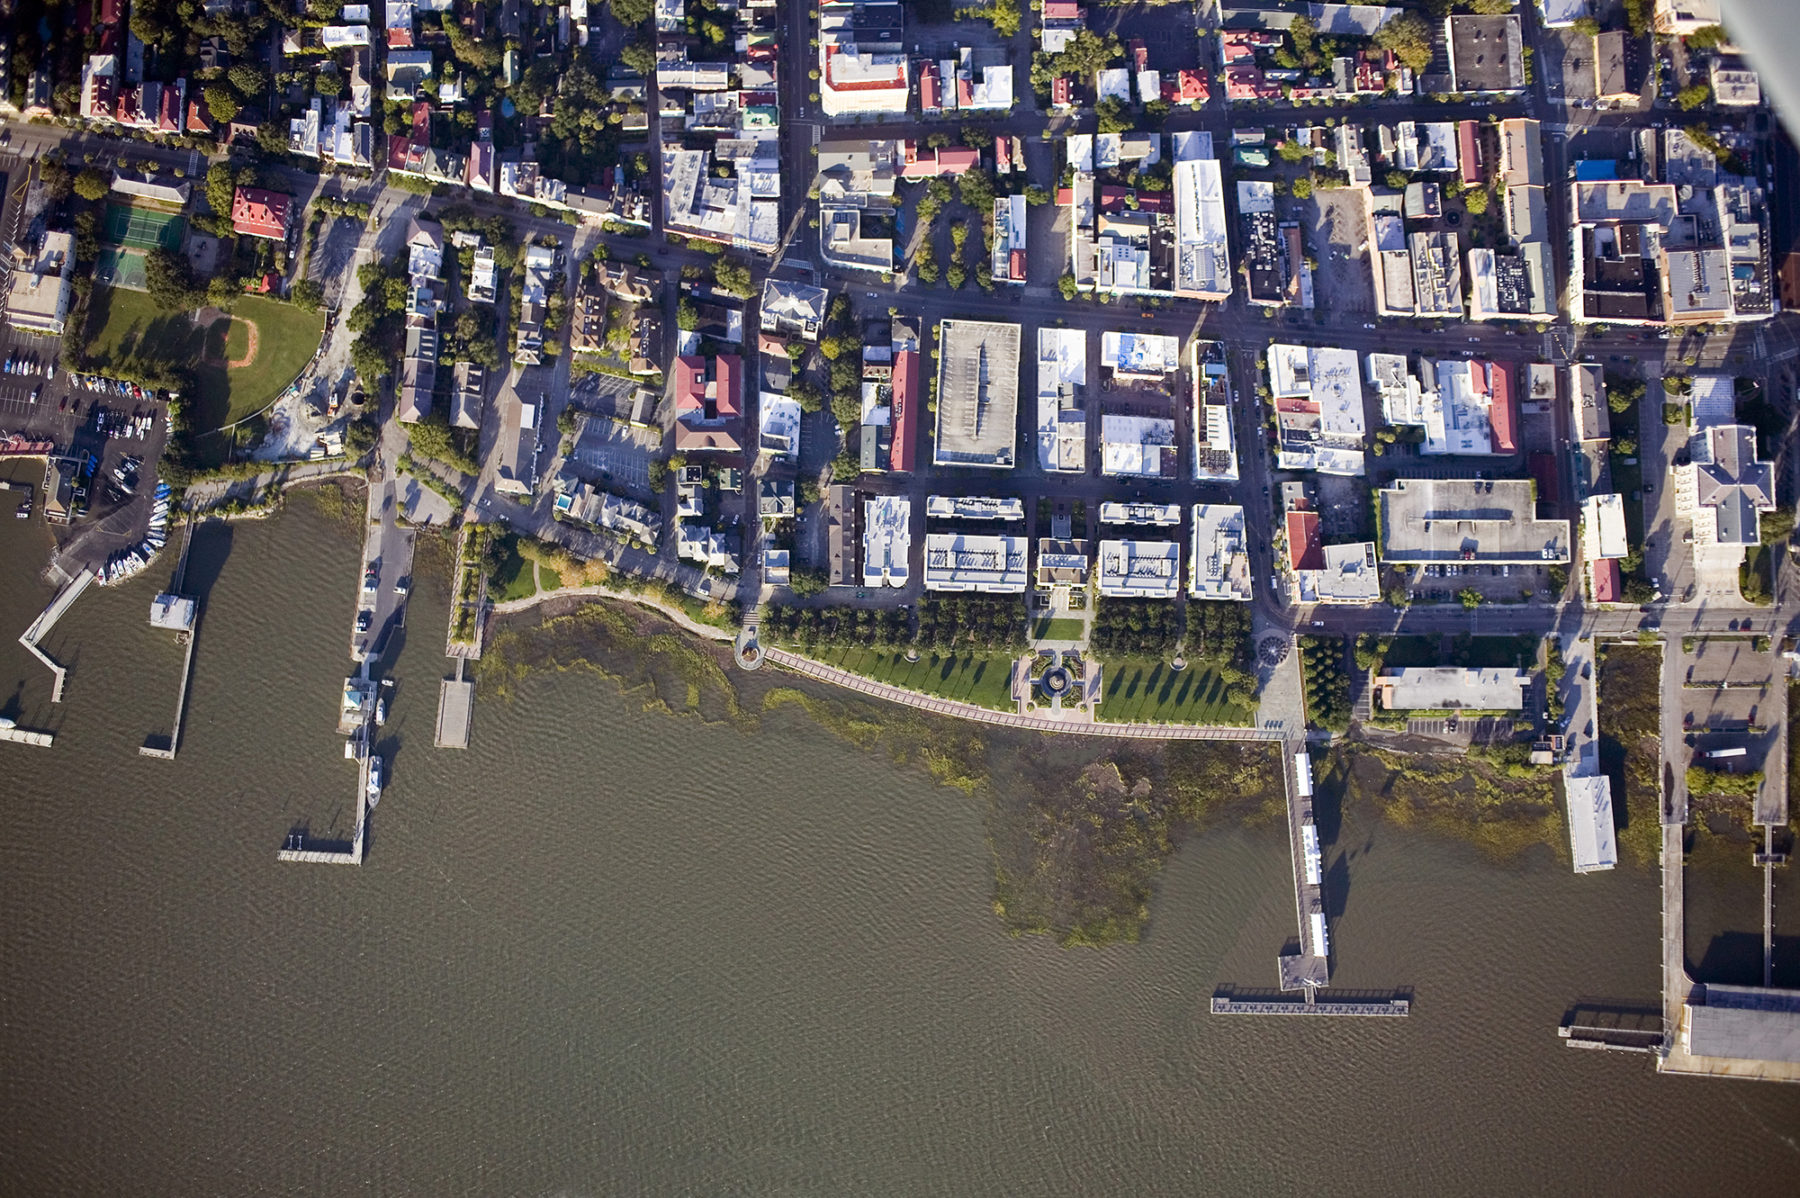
(40, 628)
(456, 710)
(181, 614)
(24, 736)
(1225, 1004)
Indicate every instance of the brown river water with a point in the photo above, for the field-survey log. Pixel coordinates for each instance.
(613, 950)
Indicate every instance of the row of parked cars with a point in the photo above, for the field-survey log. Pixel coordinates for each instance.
(106, 386)
(27, 364)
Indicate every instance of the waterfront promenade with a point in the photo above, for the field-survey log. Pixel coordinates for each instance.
(808, 668)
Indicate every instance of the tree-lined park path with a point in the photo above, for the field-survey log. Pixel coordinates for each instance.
(1008, 719)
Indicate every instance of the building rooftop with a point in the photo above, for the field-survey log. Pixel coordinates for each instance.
(1587, 392)
(1344, 574)
(1592, 843)
(887, 540)
(973, 507)
(1448, 688)
(1139, 569)
(1744, 1023)
(978, 394)
(1219, 566)
(1731, 484)
(1485, 53)
(1603, 525)
(1426, 520)
(969, 562)
(1061, 398)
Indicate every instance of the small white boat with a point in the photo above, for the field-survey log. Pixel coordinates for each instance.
(380, 712)
(374, 779)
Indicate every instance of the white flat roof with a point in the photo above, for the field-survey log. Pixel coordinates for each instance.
(887, 540)
(1140, 569)
(1162, 514)
(974, 507)
(1604, 526)
(1591, 840)
(1219, 566)
(966, 562)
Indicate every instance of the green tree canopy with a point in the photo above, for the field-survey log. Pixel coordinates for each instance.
(91, 184)
(1408, 35)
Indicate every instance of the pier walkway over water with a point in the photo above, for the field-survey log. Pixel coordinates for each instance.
(1311, 966)
(40, 628)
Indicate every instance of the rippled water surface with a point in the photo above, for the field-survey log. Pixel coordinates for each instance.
(610, 950)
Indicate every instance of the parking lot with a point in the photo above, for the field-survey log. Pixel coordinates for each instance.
(616, 453)
(1335, 226)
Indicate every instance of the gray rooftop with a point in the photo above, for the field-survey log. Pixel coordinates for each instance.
(1730, 480)
(1587, 388)
(1446, 688)
(978, 394)
(1447, 520)
(1746, 1023)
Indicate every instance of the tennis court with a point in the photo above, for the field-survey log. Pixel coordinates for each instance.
(120, 268)
(142, 228)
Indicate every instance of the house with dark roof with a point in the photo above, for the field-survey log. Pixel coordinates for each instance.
(1724, 487)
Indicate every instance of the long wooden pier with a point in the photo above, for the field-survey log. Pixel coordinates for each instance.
(1311, 966)
(1375, 1008)
(150, 748)
(308, 852)
(456, 709)
(40, 628)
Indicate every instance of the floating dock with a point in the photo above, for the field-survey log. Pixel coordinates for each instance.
(456, 710)
(40, 628)
(1224, 1004)
(299, 848)
(24, 736)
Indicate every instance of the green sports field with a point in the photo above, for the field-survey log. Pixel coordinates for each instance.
(125, 325)
(118, 267)
(142, 228)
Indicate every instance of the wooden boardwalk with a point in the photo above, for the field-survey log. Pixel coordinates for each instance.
(1008, 719)
(40, 628)
(1371, 1008)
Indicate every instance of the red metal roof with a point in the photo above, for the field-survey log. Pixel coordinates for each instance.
(1059, 90)
(1606, 580)
(1305, 552)
(1470, 164)
(1002, 154)
(1503, 408)
(1543, 469)
(930, 97)
(256, 212)
(690, 384)
(1061, 10)
(728, 371)
(1016, 265)
(905, 384)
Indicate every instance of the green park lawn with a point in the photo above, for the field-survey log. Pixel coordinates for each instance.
(1146, 690)
(125, 326)
(515, 577)
(982, 678)
(1057, 630)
